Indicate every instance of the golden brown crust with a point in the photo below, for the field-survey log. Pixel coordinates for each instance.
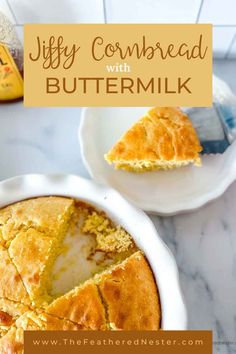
(9, 312)
(81, 305)
(131, 296)
(45, 214)
(11, 285)
(35, 229)
(3, 331)
(163, 134)
(6, 320)
(40, 320)
(12, 342)
(32, 252)
(29, 321)
(53, 323)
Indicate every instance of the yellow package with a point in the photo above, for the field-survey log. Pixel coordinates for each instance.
(11, 82)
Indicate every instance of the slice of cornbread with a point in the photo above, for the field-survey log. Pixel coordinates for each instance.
(82, 305)
(45, 214)
(163, 139)
(130, 294)
(34, 253)
(42, 224)
(11, 285)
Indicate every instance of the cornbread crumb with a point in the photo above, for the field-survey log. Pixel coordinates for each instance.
(116, 241)
(109, 238)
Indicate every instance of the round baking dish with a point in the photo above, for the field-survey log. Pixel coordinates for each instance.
(135, 221)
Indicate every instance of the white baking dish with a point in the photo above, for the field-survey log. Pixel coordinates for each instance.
(118, 209)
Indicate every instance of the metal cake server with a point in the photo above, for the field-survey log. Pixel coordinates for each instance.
(216, 125)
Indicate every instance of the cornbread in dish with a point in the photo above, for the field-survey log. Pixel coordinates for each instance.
(112, 286)
(163, 139)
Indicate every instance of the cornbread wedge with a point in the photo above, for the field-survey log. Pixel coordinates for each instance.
(11, 285)
(45, 214)
(82, 305)
(130, 294)
(34, 231)
(33, 253)
(163, 139)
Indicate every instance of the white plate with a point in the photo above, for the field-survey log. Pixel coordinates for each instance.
(118, 209)
(161, 192)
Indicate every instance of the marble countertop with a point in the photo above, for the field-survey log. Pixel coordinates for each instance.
(44, 140)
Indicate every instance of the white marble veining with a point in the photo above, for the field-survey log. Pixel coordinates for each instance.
(44, 140)
(204, 245)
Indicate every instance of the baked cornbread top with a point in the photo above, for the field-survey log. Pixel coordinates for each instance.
(130, 293)
(32, 234)
(11, 284)
(163, 138)
(46, 214)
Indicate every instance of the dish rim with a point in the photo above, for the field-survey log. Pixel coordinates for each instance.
(134, 220)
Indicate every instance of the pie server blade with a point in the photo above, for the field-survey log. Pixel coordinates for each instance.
(215, 126)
